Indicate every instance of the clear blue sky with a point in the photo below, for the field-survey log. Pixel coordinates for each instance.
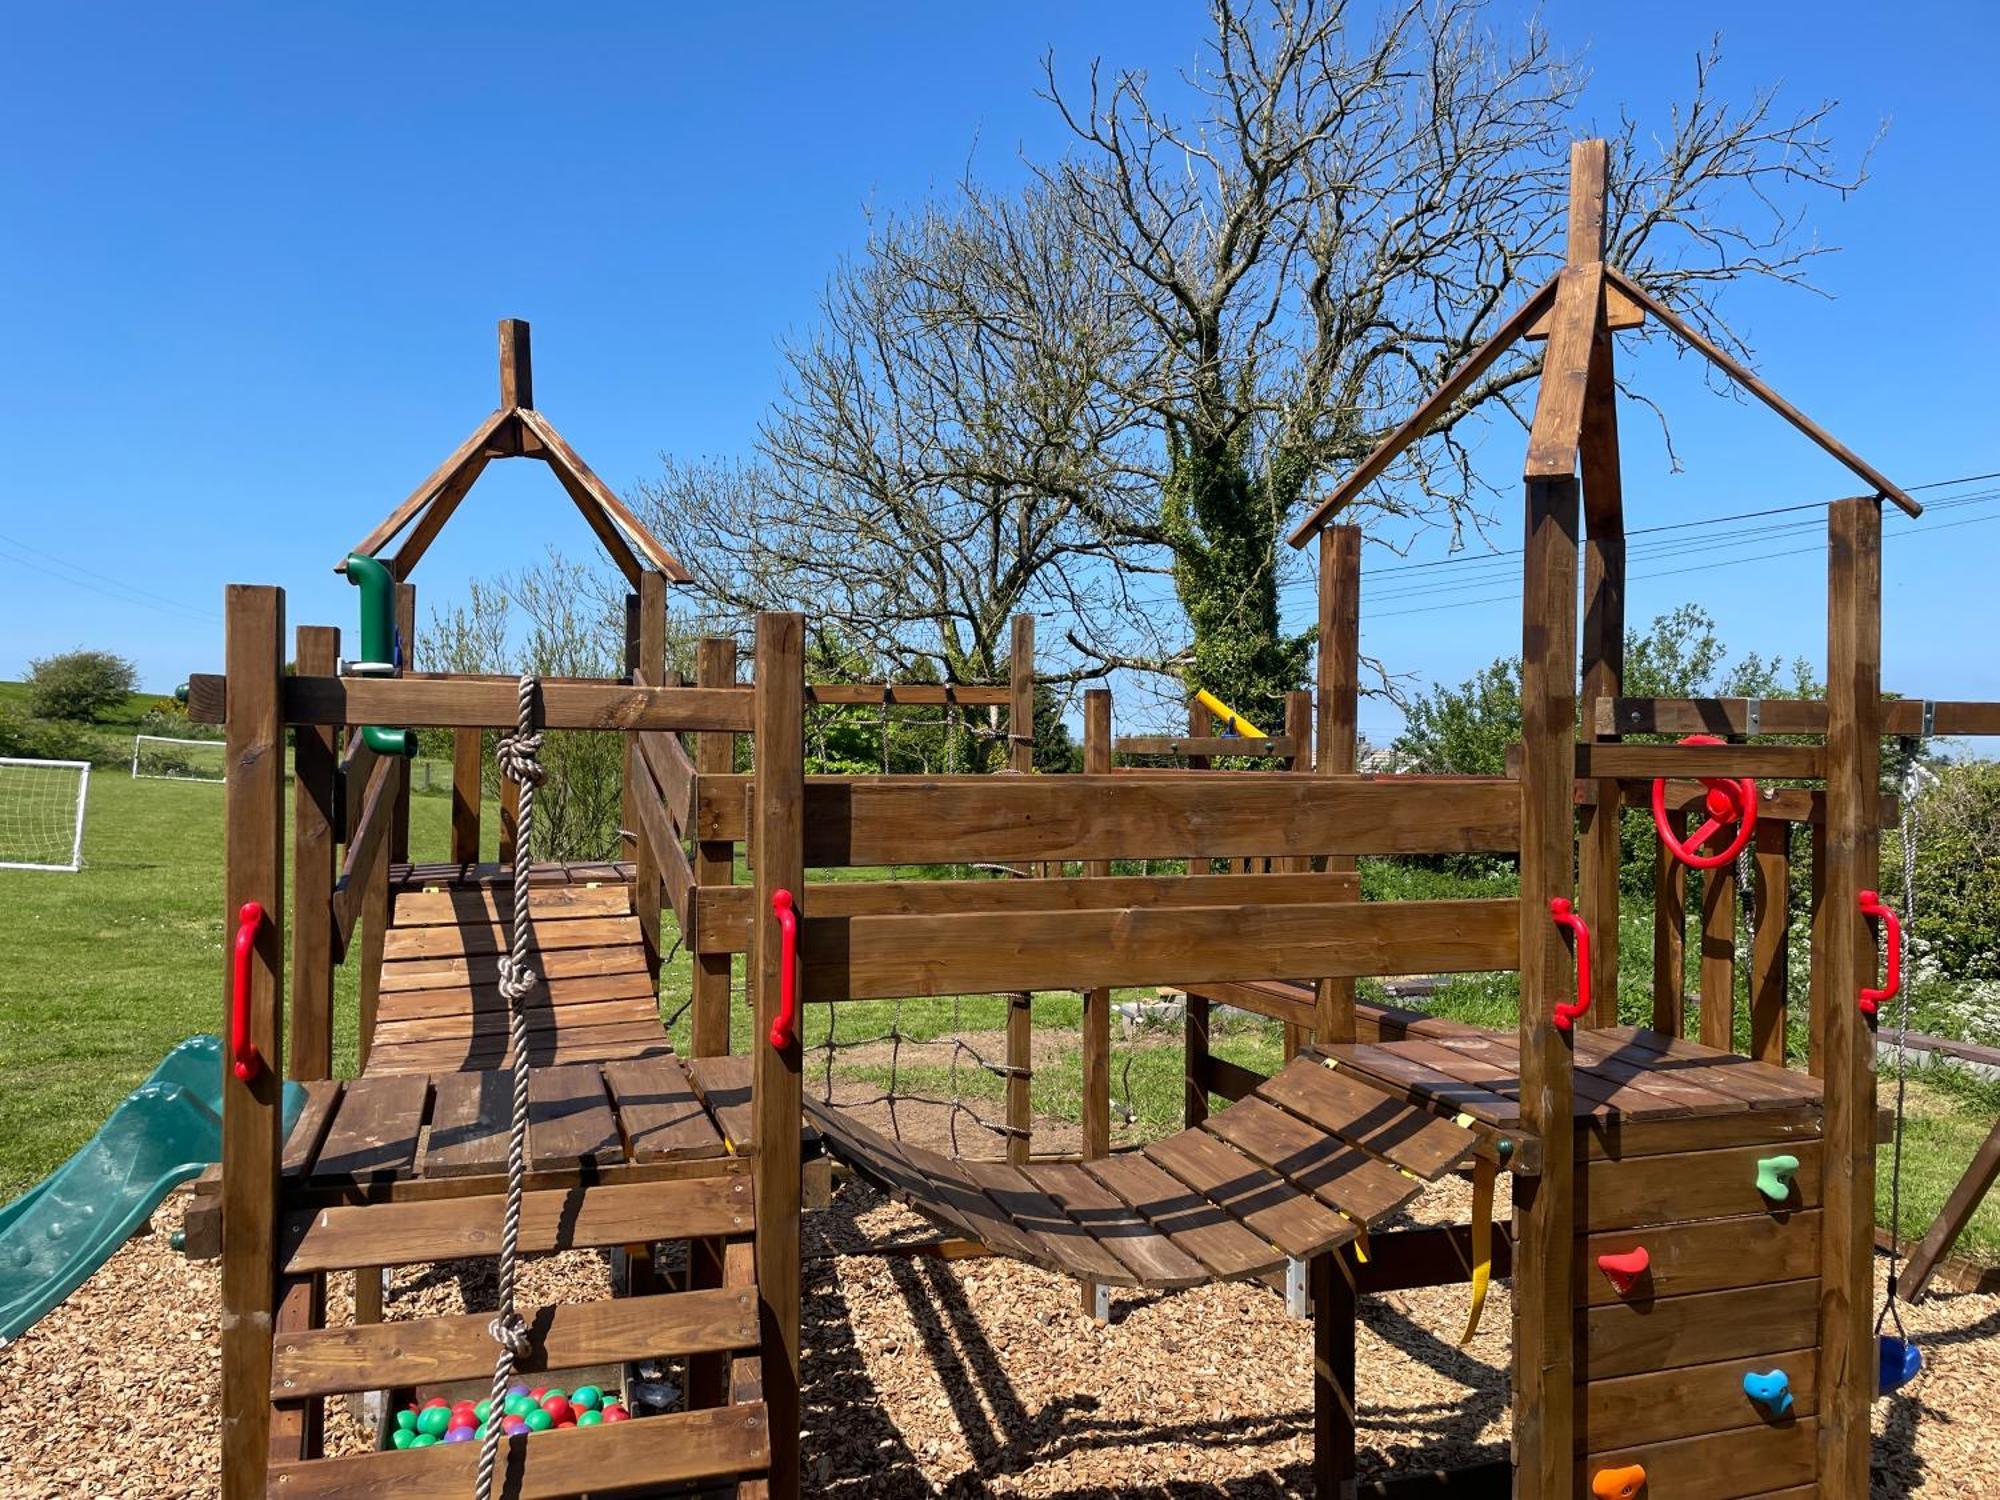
(255, 254)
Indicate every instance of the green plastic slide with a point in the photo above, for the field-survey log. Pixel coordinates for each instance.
(66, 1226)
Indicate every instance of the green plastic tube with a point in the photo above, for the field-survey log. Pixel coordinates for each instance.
(378, 637)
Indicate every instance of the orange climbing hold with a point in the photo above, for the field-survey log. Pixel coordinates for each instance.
(1625, 1270)
(1618, 1484)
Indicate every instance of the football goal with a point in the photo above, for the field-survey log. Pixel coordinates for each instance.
(41, 813)
(162, 759)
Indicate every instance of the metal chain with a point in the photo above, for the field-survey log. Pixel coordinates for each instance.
(519, 759)
(1907, 828)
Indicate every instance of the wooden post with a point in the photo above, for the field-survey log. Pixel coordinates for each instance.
(1298, 728)
(1816, 950)
(517, 378)
(1339, 718)
(1334, 1316)
(714, 863)
(1096, 1109)
(252, 1111)
(1195, 1019)
(1718, 957)
(1670, 934)
(1603, 645)
(468, 772)
(1769, 968)
(406, 633)
(1020, 1005)
(374, 921)
(310, 1054)
(780, 846)
(650, 666)
(510, 820)
(1853, 849)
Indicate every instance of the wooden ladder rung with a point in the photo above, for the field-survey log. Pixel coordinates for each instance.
(718, 1443)
(382, 1356)
(402, 1234)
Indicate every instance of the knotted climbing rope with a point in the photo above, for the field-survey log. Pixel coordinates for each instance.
(519, 758)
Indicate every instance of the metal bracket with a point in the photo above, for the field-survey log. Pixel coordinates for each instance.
(1753, 715)
(1100, 1302)
(1297, 1303)
(1930, 716)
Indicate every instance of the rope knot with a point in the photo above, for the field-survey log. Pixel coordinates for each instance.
(510, 1331)
(517, 979)
(519, 756)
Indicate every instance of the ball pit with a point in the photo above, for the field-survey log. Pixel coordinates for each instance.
(523, 1410)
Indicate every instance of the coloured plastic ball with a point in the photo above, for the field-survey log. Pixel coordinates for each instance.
(589, 1418)
(424, 1440)
(517, 1406)
(552, 1391)
(535, 1395)
(459, 1435)
(483, 1409)
(402, 1437)
(406, 1421)
(560, 1409)
(586, 1398)
(437, 1401)
(561, 1425)
(513, 1426)
(433, 1421)
(615, 1413)
(539, 1420)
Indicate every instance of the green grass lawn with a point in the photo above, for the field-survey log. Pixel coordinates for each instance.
(101, 972)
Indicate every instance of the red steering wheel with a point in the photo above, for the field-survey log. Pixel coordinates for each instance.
(1729, 800)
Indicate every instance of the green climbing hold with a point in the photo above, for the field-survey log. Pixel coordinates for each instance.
(1774, 1177)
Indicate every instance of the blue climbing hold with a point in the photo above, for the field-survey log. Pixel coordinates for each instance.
(1898, 1362)
(1772, 1391)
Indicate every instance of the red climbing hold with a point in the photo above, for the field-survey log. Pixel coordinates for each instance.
(1618, 1484)
(1624, 1271)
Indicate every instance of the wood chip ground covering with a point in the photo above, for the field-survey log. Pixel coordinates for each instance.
(958, 1379)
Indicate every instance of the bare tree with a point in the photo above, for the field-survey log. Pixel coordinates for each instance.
(1134, 374)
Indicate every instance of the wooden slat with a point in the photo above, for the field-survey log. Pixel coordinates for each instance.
(454, 942)
(569, 964)
(1693, 1185)
(470, 1115)
(1387, 1065)
(1270, 746)
(420, 701)
(659, 1112)
(1413, 1139)
(1153, 1259)
(667, 760)
(879, 957)
(883, 1162)
(931, 694)
(1644, 762)
(481, 906)
(1727, 716)
(1711, 1255)
(1759, 1084)
(546, 1049)
(1339, 1175)
(680, 1447)
(724, 1086)
(1608, 1138)
(309, 1129)
(1069, 1243)
(1667, 1404)
(365, 845)
(569, 1118)
(559, 996)
(401, 1234)
(1428, 411)
(492, 1022)
(423, 1352)
(1606, 1063)
(724, 915)
(1762, 1461)
(1196, 1226)
(1628, 1339)
(902, 820)
(374, 1133)
(1278, 999)
(1270, 1206)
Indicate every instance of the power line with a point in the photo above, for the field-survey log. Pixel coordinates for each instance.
(55, 567)
(1748, 515)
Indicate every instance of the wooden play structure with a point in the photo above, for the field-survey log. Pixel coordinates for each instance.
(1691, 1236)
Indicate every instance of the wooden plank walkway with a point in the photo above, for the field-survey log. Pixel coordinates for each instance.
(1302, 1166)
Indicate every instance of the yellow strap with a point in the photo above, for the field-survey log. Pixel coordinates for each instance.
(1361, 1244)
(1482, 1243)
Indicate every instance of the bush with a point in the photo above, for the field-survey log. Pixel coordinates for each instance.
(78, 685)
(24, 738)
(1956, 931)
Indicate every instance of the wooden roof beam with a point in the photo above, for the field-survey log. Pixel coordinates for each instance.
(1738, 372)
(472, 453)
(1435, 405)
(578, 478)
(1558, 425)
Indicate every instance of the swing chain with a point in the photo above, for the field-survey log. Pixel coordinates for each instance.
(1913, 775)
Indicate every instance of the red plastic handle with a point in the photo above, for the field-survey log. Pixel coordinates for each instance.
(785, 1028)
(1729, 800)
(1892, 940)
(1565, 915)
(246, 1063)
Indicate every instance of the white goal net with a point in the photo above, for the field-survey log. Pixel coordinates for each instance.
(162, 759)
(41, 813)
